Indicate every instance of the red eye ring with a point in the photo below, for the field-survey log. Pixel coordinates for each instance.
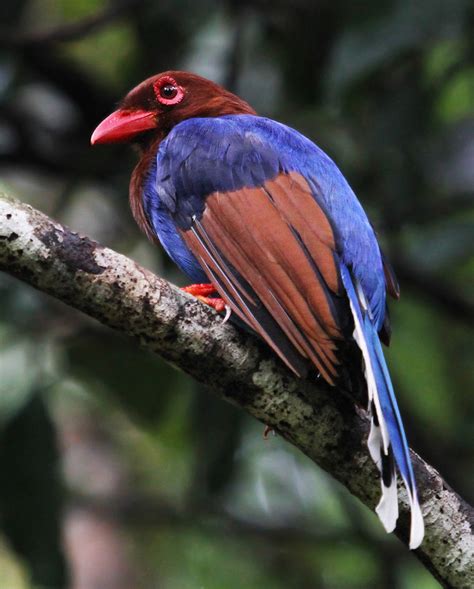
(167, 91)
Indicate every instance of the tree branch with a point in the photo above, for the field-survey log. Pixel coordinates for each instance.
(240, 369)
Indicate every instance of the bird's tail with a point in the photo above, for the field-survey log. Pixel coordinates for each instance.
(387, 441)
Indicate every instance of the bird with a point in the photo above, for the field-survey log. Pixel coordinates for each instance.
(265, 225)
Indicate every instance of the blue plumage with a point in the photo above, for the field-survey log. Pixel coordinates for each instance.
(204, 155)
(163, 224)
(201, 156)
(262, 213)
(387, 435)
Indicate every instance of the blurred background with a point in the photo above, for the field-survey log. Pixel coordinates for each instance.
(116, 472)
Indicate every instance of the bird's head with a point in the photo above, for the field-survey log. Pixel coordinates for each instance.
(159, 103)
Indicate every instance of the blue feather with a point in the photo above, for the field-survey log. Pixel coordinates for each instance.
(165, 228)
(204, 155)
(201, 156)
(385, 417)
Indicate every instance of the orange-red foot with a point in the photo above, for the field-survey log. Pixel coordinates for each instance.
(216, 303)
(202, 292)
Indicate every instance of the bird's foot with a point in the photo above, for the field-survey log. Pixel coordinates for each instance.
(200, 290)
(203, 291)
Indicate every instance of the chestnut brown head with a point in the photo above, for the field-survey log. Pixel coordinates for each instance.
(164, 100)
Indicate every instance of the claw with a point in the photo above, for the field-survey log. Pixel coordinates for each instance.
(228, 313)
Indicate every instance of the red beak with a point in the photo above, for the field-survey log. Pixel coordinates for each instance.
(122, 125)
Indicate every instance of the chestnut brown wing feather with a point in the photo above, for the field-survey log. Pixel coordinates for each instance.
(274, 246)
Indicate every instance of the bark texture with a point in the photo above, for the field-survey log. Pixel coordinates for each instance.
(315, 418)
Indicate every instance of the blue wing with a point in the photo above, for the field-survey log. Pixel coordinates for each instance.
(226, 197)
(201, 156)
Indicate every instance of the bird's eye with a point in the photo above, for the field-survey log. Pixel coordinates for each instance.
(167, 91)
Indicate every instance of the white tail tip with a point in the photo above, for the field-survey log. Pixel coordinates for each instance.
(417, 528)
(387, 509)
